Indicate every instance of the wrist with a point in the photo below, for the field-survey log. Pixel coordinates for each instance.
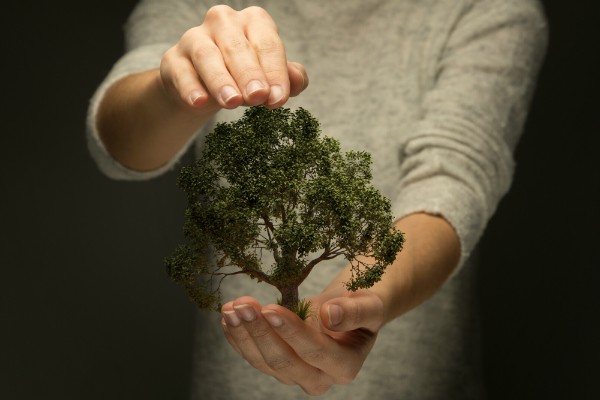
(430, 254)
(142, 125)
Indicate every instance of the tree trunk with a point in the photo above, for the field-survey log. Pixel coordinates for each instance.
(289, 296)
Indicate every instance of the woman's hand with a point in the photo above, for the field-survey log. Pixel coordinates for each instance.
(331, 345)
(328, 348)
(234, 58)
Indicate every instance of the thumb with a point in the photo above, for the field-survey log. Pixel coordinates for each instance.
(361, 309)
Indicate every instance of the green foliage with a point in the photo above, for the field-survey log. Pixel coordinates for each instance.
(270, 182)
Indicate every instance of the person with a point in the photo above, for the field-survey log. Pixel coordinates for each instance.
(436, 90)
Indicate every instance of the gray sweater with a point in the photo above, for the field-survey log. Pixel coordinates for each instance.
(437, 91)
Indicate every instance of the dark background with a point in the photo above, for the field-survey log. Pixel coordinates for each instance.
(87, 312)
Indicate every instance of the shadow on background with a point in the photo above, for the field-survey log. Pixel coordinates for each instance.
(87, 311)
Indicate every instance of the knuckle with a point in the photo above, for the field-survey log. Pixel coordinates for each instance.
(188, 35)
(194, 44)
(217, 12)
(166, 64)
(289, 334)
(258, 333)
(313, 356)
(172, 78)
(191, 37)
(170, 61)
(169, 55)
(278, 363)
(202, 50)
(235, 45)
(268, 45)
(256, 11)
(260, 15)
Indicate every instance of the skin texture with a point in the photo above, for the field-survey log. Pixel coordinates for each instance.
(236, 58)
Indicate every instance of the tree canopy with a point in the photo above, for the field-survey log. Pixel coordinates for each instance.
(270, 182)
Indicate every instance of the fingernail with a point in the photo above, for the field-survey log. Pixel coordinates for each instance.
(272, 318)
(231, 318)
(246, 311)
(254, 86)
(276, 95)
(228, 93)
(335, 314)
(195, 96)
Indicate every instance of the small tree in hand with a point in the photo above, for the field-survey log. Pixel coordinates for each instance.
(270, 182)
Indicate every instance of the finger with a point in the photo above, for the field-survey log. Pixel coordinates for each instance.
(358, 310)
(232, 342)
(228, 307)
(243, 65)
(262, 34)
(276, 354)
(239, 338)
(210, 66)
(298, 78)
(316, 348)
(180, 77)
(239, 56)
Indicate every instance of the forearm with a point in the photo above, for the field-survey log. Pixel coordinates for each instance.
(430, 254)
(141, 126)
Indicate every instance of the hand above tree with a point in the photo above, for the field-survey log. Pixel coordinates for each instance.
(233, 58)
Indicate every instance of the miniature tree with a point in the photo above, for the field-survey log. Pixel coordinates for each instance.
(270, 182)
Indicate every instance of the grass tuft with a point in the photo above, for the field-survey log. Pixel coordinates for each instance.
(302, 309)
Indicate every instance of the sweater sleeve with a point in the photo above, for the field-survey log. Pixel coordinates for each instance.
(152, 28)
(457, 162)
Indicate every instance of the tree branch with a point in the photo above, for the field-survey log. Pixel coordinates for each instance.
(250, 272)
(270, 229)
(326, 255)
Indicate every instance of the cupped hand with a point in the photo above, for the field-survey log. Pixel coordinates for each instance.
(328, 348)
(234, 58)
